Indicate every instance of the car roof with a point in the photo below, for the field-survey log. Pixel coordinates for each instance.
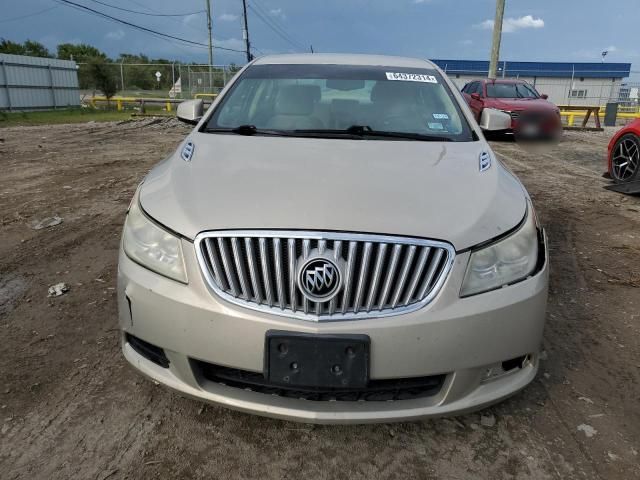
(344, 59)
(503, 80)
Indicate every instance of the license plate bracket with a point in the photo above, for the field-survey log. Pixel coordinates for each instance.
(317, 361)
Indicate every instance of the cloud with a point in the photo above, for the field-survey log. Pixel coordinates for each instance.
(510, 25)
(189, 19)
(115, 35)
(234, 43)
(466, 43)
(277, 12)
(228, 17)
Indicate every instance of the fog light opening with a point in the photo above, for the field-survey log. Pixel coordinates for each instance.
(518, 362)
(147, 350)
(508, 367)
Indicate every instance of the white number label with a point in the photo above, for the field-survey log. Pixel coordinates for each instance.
(411, 77)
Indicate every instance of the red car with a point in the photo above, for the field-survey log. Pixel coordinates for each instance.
(624, 154)
(531, 113)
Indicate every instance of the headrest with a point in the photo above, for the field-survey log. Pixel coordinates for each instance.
(297, 99)
(385, 91)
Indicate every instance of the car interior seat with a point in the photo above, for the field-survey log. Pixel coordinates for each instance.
(294, 108)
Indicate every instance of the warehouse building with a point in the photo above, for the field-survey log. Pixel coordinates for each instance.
(565, 83)
(34, 83)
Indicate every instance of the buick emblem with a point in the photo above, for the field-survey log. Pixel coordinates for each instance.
(319, 279)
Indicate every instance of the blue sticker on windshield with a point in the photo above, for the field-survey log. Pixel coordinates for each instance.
(441, 116)
(435, 126)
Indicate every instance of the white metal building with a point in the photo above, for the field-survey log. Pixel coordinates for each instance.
(34, 83)
(565, 83)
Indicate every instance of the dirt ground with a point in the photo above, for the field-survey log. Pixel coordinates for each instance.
(70, 407)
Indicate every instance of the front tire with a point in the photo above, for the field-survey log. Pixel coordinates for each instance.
(625, 159)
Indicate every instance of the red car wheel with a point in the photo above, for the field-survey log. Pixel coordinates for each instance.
(625, 159)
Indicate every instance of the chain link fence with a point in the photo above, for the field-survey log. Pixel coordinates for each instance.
(184, 81)
(160, 80)
(139, 81)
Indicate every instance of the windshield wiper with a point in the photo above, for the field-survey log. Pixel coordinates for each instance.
(354, 131)
(246, 130)
(361, 131)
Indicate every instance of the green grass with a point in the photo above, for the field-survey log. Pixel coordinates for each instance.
(71, 115)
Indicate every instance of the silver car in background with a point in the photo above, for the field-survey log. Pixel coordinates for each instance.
(335, 242)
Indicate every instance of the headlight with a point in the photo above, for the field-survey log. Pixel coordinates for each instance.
(505, 262)
(152, 247)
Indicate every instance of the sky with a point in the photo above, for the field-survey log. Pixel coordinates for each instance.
(540, 30)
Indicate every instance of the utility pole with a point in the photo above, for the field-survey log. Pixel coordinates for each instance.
(208, 2)
(245, 32)
(497, 36)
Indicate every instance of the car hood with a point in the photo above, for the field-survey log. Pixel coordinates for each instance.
(421, 189)
(521, 104)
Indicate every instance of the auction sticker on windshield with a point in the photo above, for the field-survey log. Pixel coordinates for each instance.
(411, 77)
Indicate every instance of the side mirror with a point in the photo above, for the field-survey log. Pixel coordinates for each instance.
(544, 96)
(190, 111)
(494, 120)
(476, 96)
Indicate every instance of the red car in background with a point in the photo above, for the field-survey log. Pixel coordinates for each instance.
(531, 113)
(624, 154)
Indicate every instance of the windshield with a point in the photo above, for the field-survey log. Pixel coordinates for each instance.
(510, 90)
(317, 99)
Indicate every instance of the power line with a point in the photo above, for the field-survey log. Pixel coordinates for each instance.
(145, 13)
(273, 26)
(28, 15)
(173, 19)
(141, 28)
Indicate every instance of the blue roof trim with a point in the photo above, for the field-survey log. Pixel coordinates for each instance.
(538, 69)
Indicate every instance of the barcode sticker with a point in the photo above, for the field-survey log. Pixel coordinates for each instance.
(411, 77)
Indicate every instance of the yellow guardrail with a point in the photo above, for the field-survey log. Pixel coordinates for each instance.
(205, 95)
(120, 101)
(168, 102)
(571, 115)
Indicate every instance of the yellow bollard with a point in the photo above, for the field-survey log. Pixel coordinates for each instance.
(119, 104)
(168, 106)
(570, 121)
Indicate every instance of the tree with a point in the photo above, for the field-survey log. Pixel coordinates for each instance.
(103, 78)
(233, 68)
(80, 52)
(30, 48)
(12, 48)
(36, 49)
(138, 75)
(83, 54)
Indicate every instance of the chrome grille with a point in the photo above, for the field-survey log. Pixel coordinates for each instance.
(382, 275)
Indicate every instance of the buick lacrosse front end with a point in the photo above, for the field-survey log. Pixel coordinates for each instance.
(334, 242)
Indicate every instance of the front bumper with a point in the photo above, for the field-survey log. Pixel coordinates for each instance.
(548, 125)
(464, 339)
